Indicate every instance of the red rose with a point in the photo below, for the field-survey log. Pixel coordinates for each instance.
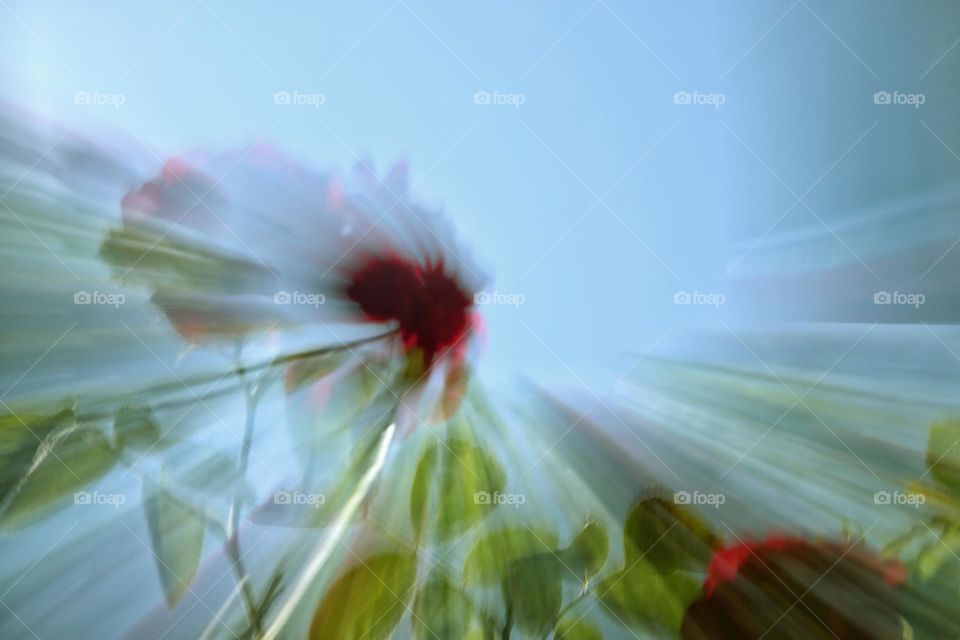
(788, 587)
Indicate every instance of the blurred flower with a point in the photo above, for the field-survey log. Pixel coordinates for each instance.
(785, 587)
(252, 241)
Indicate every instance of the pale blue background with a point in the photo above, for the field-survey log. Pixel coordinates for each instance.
(598, 81)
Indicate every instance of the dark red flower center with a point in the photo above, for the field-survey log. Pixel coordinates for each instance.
(430, 306)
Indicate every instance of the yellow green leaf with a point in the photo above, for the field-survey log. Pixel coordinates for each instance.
(943, 454)
(367, 601)
(442, 611)
(489, 560)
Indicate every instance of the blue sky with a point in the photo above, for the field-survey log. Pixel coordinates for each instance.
(599, 196)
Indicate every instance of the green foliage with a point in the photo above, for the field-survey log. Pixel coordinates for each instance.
(944, 548)
(420, 491)
(270, 594)
(576, 629)
(664, 544)
(171, 261)
(587, 552)
(70, 456)
(20, 437)
(666, 535)
(943, 454)
(442, 611)
(135, 428)
(646, 600)
(930, 605)
(176, 533)
(368, 601)
(534, 590)
(488, 561)
(467, 474)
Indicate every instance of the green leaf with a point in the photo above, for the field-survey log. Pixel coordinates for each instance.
(71, 456)
(442, 611)
(176, 533)
(943, 454)
(135, 428)
(930, 606)
(273, 590)
(944, 548)
(420, 491)
(646, 600)
(587, 553)
(170, 260)
(576, 630)
(20, 437)
(489, 560)
(469, 478)
(535, 592)
(367, 601)
(666, 535)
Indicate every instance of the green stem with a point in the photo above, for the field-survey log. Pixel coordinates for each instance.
(573, 603)
(253, 392)
(97, 411)
(508, 624)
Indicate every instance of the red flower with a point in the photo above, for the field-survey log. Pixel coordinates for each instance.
(787, 587)
(244, 226)
(431, 307)
(243, 242)
(726, 562)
